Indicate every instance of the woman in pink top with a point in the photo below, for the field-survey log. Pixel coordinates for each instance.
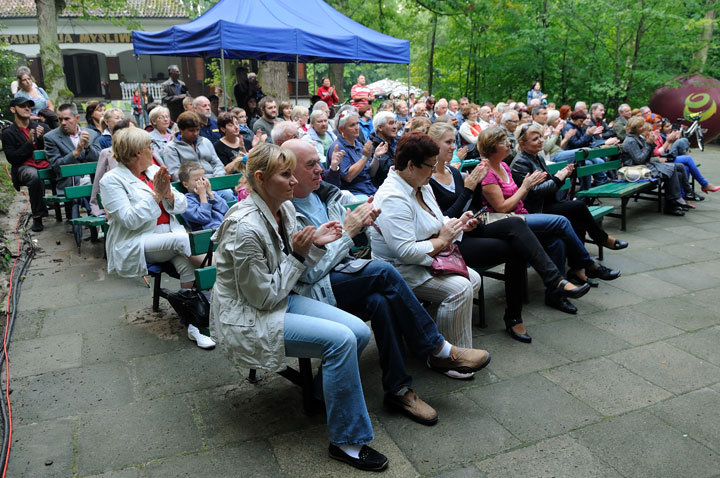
(555, 233)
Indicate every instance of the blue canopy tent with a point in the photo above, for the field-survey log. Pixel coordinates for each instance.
(308, 31)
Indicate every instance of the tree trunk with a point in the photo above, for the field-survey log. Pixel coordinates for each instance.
(700, 56)
(50, 54)
(337, 78)
(636, 54)
(273, 76)
(432, 54)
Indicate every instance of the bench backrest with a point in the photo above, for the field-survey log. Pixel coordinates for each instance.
(79, 169)
(583, 154)
(205, 277)
(583, 171)
(77, 192)
(554, 168)
(200, 241)
(228, 181)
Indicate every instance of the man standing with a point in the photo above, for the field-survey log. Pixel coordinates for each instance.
(69, 144)
(360, 94)
(20, 141)
(174, 91)
(269, 110)
(372, 289)
(209, 127)
(624, 114)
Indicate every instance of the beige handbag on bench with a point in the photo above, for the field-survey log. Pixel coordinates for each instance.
(633, 174)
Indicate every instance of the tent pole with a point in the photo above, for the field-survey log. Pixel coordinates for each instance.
(297, 73)
(137, 67)
(222, 71)
(408, 94)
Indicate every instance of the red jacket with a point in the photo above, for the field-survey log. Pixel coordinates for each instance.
(327, 97)
(137, 104)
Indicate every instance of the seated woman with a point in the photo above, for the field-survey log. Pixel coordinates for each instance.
(231, 144)
(544, 198)
(501, 194)
(300, 116)
(637, 149)
(470, 129)
(93, 115)
(412, 230)
(554, 145)
(259, 321)
(670, 146)
(140, 206)
(110, 117)
(508, 240)
(161, 133)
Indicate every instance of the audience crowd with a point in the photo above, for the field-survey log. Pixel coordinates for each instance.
(292, 279)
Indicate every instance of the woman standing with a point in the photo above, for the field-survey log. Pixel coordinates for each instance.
(535, 93)
(29, 90)
(141, 207)
(259, 321)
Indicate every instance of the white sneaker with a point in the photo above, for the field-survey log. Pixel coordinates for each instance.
(203, 341)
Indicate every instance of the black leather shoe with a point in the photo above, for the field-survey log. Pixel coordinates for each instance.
(370, 460)
(691, 196)
(509, 324)
(674, 210)
(561, 304)
(619, 245)
(575, 293)
(37, 225)
(599, 271)
(575, 279)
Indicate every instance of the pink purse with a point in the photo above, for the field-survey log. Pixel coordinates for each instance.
(449, 261)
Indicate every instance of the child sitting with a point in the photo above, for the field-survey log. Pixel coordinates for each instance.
(204, 210)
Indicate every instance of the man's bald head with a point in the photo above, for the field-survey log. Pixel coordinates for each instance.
(308, 171)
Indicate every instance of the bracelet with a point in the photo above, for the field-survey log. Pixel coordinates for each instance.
(365, 158)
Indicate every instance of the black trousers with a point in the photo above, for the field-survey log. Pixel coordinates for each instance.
(510, 241)
(28, 176)
(580, 218)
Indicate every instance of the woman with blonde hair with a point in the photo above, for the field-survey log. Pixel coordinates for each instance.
(258, 320)
(110, 117)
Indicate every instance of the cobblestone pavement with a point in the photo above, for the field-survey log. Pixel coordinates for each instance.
(628, 387)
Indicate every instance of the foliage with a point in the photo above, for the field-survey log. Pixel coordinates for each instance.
(8, 63)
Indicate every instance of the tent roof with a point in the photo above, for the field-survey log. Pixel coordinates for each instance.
(275, 30)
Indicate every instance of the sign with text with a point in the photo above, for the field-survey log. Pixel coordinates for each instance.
(32, 39)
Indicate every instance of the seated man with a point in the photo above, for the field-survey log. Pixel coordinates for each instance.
(188, 145)
(284, 131)
(584, 138)
(20, 141)
(269, 110)
(208, 127)
(70, 144)
(385, 126)
(358, 165)
(371, 289)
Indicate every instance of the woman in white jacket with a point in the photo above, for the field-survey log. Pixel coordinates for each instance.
(140, 206)
(258, 319)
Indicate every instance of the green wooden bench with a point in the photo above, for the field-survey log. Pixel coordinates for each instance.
(228, 181)
(622, 190)
(66, 171)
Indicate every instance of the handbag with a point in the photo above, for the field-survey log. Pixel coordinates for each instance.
(490, 217)
(449, 261)
(633, 174)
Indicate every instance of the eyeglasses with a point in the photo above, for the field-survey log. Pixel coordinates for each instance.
(431, 166)
(523, 130)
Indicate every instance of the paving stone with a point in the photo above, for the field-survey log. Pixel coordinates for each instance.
(116, 288)
(306, 454)
(458, 417)
(560, 456)
(127, 342)
(36, 444)
(707, 298)
(511, 358)
(55, 296)
(27, 325)
(159, 429)
(646, 286)
(640, 445)
(182, 371)
(631, 326)
(577, 340)
(692, 232)
(237, 413)
(135, 472)
(71, 392)
(250, 459)
(43, 355)
(680, 312)
(606, 386)
(691, 251)
(687, 277)
(532, 407)
(694, 413)
(668, 367)
(85, 318)
(703, 344)
(465, 472)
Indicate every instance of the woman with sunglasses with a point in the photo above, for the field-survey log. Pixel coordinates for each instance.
(502, 194)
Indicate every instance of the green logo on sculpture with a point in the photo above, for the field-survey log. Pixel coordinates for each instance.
(699, 103)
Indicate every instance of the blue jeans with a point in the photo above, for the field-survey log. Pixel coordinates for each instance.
(379, 293)
(691, 169)
(227, 194)
(315, 329)
(549, 228)
(565, 155)
(680, 147)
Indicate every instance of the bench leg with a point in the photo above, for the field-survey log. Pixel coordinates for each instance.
(623, 213)
(306, 380)
(600, 252)
(480, 301)
(252, 376)
(156, 293)
(58, 212)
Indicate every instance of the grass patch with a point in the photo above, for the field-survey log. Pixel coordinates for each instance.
(7, 191)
